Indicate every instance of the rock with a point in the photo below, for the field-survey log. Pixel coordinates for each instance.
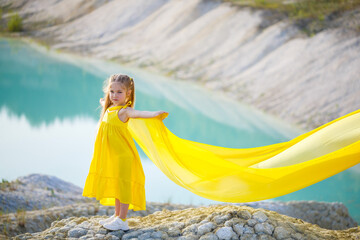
(60, 235)
(38, 191)
(193, 220)
(100, 236)
(39, 220)
(248, 236)
(205, 228)
(212, 222)
(248, 230)
(209, 236)
(298, 236)
(281, 233)
(225, 233)
(239, 228)
(102, 231)
(221, 219)
(49, 236)
(87, 236)
(251, 222)
(332, 216)
(111, 237)
(188, 237)
(130, 235)
(174, 232)
(265, 228)
(244, 214)
(179, 225)
(64, 229)
(191, 229)
(156, 234)
(260, 216)
(144, 236)
(265, 237)
(77, 232)
(117, 234)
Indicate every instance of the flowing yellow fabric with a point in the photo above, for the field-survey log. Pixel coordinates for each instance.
(251, 174)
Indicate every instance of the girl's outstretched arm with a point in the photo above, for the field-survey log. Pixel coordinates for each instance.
(132, 113)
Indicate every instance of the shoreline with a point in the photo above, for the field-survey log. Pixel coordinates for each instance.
(285, 73)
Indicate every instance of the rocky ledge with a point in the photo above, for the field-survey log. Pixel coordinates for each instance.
(77, 217)
(37, 191)
(212, 222)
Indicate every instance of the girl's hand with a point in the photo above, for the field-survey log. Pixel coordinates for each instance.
(101, 101)
(162, 114)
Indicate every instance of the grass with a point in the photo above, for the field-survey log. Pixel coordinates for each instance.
(20, 216)
(5, 231)
(51, 191)
(4, 184)
(301, 9)
(311, 14)
(11, 186)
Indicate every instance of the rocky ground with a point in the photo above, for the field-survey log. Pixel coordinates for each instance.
(213, 222)
(254, 56)
(255, 220)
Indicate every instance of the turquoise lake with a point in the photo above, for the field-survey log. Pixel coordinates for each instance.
(49, 108)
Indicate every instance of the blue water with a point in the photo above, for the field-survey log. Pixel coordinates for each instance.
(49, 111)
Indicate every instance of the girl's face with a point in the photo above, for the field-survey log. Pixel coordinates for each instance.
(118, 94)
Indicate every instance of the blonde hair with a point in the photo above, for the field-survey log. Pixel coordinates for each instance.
(127, 82)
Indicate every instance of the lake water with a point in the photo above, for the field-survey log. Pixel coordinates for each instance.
(49, 111)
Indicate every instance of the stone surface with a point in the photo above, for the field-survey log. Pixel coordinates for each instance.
(226, 233)
(77, 232)
(175, 224)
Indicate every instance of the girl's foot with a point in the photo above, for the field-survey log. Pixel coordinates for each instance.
(117, 224)
(102, 222)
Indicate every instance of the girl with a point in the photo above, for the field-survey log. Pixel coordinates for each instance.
(116, 176)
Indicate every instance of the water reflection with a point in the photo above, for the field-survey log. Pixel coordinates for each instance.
(43, 89)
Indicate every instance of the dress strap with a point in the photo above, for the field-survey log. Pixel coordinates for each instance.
(118, 107)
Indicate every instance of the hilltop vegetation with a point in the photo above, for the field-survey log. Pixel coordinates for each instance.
(311, 15)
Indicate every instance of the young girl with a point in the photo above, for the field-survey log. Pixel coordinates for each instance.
(116, 176)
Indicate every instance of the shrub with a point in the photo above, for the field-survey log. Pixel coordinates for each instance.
(15, 23)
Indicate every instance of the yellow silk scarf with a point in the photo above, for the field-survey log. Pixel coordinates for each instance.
(251, 174)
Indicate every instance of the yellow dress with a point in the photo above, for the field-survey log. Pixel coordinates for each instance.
(116, 170)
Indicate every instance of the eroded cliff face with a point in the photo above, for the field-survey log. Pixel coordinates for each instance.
(255, 56)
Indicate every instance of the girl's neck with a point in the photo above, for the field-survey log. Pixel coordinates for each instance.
(112, 105)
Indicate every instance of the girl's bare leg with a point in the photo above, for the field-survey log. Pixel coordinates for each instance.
(117, 207)
(121, 209)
